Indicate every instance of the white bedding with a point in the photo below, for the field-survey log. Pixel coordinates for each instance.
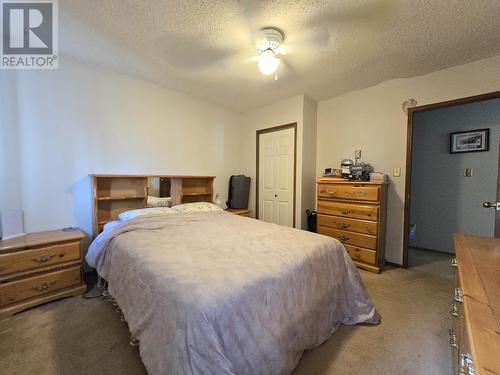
(216, 293)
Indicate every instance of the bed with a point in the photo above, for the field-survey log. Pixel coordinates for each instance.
(217, 293)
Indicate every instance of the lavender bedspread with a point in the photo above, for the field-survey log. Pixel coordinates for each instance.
(216, 293)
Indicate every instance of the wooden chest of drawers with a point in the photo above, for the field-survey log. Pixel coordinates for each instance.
(475, 309)
(354, 213)
(39, 267)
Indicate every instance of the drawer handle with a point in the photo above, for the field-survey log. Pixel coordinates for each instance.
(328, 191)
(459, 296)
(44, 258)
(345, 226)
(453, 339)
(454, 310)
(359, 193)
(44, 286)
(467, 364)
(346, 212)
(454, 263)
(344, 238)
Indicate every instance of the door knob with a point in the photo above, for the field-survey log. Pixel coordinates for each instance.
(495, 205)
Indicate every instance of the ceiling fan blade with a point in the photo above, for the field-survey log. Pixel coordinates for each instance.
(318, 37)
(197, 56)
(285, 70)
(375, 14)
(253, 59)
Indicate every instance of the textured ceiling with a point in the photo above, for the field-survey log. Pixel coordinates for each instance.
(204, 48)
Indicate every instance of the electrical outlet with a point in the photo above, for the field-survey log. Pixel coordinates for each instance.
(357, 154)
(468, 172)
(396, 172)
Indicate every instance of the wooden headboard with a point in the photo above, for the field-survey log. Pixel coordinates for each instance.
(114, 194)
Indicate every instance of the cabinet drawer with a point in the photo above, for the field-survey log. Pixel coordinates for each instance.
(355, 192)
(362, 255)
(350, 238)
(44, 284)
(357, 211)
(352, 225)
(26, 260)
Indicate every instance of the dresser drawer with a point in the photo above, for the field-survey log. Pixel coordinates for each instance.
(44, 284)
(354, 192)
(26, 260)
(362, 255)
(357, 211)
(350, 238)
(352, 225)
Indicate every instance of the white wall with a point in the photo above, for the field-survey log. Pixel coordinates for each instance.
(10, 195)
(302, 111)
(443, 201)
(372, 120)
(309, 158)
(82, 119)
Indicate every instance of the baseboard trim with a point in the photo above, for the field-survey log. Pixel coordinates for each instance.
(433, 250)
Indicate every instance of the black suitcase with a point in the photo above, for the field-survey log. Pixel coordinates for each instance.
(239, 188)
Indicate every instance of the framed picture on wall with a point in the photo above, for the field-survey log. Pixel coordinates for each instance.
(470, 141)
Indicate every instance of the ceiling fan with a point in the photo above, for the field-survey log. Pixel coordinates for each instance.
(269, 48)
(364, 23)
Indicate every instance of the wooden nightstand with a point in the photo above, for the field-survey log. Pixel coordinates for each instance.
(39, 267)
(239, 211)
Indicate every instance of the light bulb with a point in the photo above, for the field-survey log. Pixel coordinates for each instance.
(268, 63)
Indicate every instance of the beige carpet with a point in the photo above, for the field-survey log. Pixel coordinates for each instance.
(76, 336)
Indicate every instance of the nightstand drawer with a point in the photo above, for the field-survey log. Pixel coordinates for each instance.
(30, 259)
(351, 238)
(354, 192)
(352, 225)
(31, 287)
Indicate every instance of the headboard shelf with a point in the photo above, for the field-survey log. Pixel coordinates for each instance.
(114, 194)
(120, 197)
(187, 189)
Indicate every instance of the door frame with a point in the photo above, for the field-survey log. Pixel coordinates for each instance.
(272, 130)
(409, 150)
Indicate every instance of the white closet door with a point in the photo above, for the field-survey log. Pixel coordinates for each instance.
(276, 170)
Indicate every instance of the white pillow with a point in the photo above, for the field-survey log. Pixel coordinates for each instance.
(127, 215)
(159, 202)
(197, 207)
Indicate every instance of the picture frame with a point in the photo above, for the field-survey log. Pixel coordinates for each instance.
(477, 140)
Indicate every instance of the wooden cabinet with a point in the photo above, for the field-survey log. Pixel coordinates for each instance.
(39, 267)
(475, 309)
(354, 212)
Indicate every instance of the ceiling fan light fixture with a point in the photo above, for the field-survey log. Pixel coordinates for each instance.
(269, 48)
(268, 63)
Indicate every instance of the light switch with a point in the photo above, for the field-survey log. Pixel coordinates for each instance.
(357, 154)
(396, 172)
(468, 172)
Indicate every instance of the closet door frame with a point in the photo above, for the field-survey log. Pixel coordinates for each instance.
(271, 130)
